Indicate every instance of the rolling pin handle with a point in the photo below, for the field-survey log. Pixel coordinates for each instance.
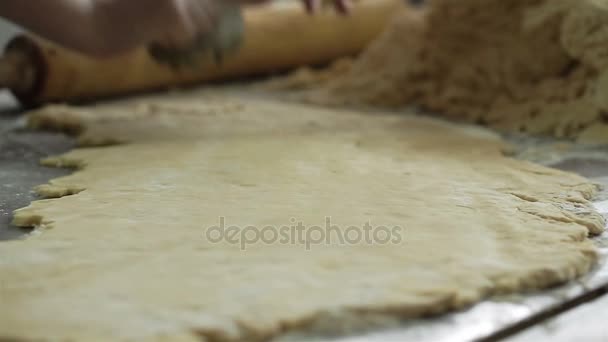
(16, 73)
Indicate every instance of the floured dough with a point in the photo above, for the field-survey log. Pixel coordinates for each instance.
(535, 66)
(127, 256)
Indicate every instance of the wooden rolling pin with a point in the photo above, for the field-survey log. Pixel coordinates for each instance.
(277, 37)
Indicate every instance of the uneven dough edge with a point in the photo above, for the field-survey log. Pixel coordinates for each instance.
(575, 194)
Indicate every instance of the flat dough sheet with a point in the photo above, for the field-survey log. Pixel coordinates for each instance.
(127, 256)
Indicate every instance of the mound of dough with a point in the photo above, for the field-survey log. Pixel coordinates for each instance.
(534, 66)
(133, 255)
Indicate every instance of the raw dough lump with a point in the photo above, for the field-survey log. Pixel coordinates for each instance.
(534, 66)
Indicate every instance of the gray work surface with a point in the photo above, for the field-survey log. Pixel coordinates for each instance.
(20, 170)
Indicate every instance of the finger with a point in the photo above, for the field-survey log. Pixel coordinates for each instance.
(254, 2)
(170, 40)
(186, 27)
(312, 6)
(343, 6)
(307, 5)
(204, 15)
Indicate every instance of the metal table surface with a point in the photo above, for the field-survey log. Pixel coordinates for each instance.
(20, 170)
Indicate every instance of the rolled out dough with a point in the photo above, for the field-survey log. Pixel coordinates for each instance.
(126, 257)
(534, 66)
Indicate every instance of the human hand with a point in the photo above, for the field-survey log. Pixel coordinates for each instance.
(312, 6)
(177, 22)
